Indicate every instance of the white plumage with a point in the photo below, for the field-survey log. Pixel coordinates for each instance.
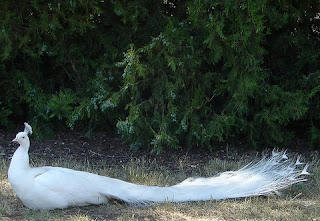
(56, 187)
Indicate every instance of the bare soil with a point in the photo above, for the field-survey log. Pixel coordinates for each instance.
(103, 147)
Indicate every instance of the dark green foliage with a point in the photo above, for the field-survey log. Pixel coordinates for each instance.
(58, 62)
(167, 74)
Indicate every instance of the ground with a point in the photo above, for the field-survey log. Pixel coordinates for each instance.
(107, 154)
(109, 147)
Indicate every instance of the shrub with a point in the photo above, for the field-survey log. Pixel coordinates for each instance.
(167, 74)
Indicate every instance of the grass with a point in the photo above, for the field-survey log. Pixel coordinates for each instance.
(300, 202)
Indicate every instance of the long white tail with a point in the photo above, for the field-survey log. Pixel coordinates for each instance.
(268, 176)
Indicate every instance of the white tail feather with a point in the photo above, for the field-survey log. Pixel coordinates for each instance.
(268, 176)
(284, 156)
(298, 161)
(304, 171)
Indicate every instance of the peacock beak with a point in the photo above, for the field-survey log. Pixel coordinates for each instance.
(14, 140)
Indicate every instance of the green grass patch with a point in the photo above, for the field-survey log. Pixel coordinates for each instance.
(300, 202)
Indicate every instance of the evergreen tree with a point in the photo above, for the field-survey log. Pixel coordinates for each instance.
(167, 74)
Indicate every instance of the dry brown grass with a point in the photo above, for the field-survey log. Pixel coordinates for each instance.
(301, 202)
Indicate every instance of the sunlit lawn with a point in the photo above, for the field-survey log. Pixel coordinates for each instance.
(301, 202)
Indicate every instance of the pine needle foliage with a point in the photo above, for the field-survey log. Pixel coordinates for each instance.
(166, 74)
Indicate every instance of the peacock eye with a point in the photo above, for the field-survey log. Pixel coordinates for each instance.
(23, 137)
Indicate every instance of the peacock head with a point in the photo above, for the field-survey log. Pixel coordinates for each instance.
(22, 137)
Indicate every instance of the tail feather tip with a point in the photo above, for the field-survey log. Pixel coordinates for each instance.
(305, 170)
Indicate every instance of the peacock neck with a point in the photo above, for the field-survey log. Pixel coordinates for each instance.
(20, 158)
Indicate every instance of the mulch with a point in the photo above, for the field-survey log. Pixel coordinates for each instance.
(105, 147)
